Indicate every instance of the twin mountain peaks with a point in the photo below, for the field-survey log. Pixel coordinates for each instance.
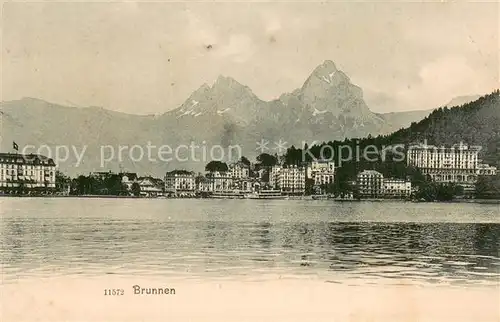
(327, 107)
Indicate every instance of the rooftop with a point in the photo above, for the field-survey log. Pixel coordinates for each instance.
(370, 172)
(26, 159)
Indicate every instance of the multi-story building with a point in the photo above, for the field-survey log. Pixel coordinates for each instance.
(274, 175)
(291, 179)
(396, 188)
(26, 172)
(239, 170)
(244, 185)
(150, 187)
(180, 182)
(322, 173)
(369, 184)
(456, 164)
(217, 181)
(486, 170)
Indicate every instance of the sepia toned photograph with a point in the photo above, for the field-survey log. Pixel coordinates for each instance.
(250, 161)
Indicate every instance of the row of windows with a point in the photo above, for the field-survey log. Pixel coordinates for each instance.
(15, 166)
(29, 173)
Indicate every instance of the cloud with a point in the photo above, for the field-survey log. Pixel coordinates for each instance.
(199, 31)
(443, 79)
(239, 48)
(154, 55)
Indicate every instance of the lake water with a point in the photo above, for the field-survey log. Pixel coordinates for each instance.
(248, 260)
(341, 242)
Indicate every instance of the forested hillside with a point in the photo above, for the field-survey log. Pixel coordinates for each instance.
(475, 123)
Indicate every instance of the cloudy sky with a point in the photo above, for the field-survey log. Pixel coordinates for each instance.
(148, 57)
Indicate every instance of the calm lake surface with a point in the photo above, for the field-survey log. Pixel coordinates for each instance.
(338, 242)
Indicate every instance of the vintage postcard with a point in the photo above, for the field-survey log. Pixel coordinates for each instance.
(250, 161)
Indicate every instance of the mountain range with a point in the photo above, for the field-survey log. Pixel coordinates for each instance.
(327, 107)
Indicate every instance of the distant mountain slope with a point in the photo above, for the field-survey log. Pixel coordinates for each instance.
(326, 107)
(398, 120)
(35, 122)
(476, 123)
(461, 100)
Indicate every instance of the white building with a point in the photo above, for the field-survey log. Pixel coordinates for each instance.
(29, 172)
(274, 176)
(458, 163)
(396, 188)
(239, 170)
(150, 187)
(291, 179)
(180, 182)
(244, 185)
(370, 184)
(486, 170)
(321, 172)
(217, 182)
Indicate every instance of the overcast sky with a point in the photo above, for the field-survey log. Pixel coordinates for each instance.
(148, 58)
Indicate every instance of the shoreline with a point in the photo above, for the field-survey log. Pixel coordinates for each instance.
(306, 198)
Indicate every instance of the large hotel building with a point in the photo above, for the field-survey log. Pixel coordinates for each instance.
(290, 179)
(459, 163)
(26, 172)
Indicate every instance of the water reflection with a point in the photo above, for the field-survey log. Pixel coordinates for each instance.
(430, 252)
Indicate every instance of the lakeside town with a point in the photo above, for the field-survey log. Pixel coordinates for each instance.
(437, 173)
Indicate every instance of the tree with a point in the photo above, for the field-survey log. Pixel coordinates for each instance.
(213, 166)
(181, 172)
(83, 185)
(488, 187)
(62, 182)
(309, 186)
(136, 189)
(245, 161)
(113, 185)
(433, 191)
(475, 123)
(266, 160)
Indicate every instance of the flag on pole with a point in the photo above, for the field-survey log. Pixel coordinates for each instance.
(15, 146)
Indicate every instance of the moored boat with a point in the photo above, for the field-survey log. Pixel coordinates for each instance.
(266, 194)
(228, 195)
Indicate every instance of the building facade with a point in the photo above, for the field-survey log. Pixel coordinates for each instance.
(459, 164)
(239, 170)
(244, 184)
(290, 180)
(486, 170)
(180, 182)
(150, 187)
(217, 182)
(369, 184)
(396, 188)
(322, 173)
(20, 173)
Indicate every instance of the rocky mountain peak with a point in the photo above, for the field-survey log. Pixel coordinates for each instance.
(326, 76)
(327, 66)
(225, 97)
(226, 82)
